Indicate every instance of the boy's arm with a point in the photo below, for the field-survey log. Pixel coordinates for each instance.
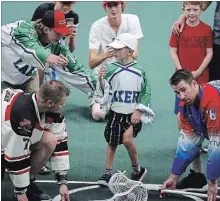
(209, 53)
(175, 58)
(206, 4)
(73, 63)
(71, 42)
(144, 97)
(143, 100)
(135, 53)
(72, 24)
(206, 61)
(27, 46)
(95, 58)
(136, 30)
(174, 45)
(103, 93)
(86, 82)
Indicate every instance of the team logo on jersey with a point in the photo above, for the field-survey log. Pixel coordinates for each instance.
(8, 95)
(212, 114)
(25, 127)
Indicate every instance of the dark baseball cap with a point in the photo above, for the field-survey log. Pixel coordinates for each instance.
(106, 2)
(56, 20)
(67, 2)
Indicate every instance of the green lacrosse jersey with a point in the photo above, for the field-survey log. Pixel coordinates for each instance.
(22, 52)
(129, 87)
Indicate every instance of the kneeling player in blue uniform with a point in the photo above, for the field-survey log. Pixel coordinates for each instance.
(199, 119)
(123, 89)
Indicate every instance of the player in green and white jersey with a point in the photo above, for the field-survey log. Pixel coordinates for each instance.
(27, 45)
(123, 88)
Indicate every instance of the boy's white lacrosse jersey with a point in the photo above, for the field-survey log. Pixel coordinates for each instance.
(128, 87)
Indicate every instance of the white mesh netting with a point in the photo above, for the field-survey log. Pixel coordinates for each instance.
(119, 183)
(125, 189)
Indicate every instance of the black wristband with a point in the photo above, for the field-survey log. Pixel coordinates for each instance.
(61, 178)
(20, 190)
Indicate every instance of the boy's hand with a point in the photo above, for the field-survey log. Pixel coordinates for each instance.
(109, 53)
(57, 60)
(136, 117)
(196, 74)
(101, 75)
(178, 26)
(73, 29)
(102, 72)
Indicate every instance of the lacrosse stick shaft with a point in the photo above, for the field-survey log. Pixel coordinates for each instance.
(201, 195)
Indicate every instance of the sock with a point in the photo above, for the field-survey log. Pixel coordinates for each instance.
(108, 171)
(196, 165)
(136, 168)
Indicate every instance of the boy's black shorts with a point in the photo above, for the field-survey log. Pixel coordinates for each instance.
(116, 126)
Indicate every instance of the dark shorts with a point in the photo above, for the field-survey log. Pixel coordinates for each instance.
(176, 107)
(116, 126)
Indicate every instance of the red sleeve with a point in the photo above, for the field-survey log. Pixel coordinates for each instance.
(211, 106)
(209, 42)
(174, 41)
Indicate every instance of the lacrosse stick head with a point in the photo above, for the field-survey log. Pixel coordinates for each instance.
(119, 183)
(136, 193)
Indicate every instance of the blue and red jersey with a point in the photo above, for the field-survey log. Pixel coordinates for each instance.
(202, 118)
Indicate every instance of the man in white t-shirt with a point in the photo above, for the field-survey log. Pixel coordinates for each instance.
(104, 30)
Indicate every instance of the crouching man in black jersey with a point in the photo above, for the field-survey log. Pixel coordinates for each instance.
(33, 132)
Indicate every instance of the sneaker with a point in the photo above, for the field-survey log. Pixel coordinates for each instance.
(193, 180)
(104, 179)
(36, 194)
(139, 176)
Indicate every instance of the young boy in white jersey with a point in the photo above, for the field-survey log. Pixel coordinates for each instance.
(123, 86)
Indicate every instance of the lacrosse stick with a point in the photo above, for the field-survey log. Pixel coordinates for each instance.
(119, 183)
(121, 186)
(135, 193)
(155, 187)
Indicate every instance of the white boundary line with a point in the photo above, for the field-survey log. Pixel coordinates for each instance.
(194, 198)
(95, 185)
(57, 198)
(69, 182)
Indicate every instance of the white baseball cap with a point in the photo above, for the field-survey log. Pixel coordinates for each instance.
(124, 40)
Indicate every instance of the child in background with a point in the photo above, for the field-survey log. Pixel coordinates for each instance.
(192, 51)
